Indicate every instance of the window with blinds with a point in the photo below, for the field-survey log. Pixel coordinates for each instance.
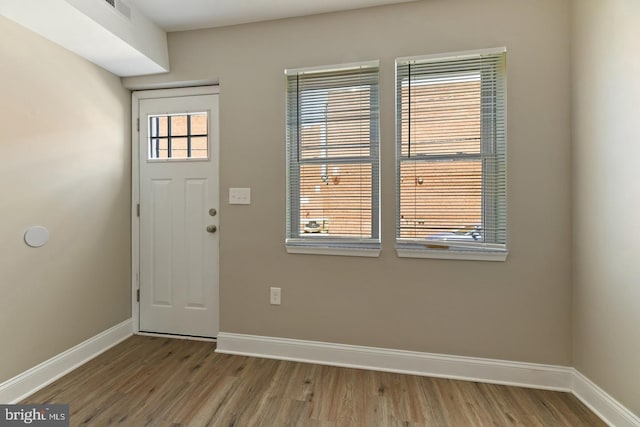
(332, 157)
(451, 153)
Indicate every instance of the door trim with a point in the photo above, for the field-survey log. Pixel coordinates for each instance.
(136, 97)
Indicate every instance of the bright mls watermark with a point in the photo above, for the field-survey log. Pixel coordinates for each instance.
(34, 415)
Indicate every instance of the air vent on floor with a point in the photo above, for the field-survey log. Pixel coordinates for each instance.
(121, 7)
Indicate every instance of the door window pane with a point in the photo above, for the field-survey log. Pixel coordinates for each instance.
(178, 136)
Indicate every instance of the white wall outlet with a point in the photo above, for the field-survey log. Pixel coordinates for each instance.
(274, 296)
(239, 196)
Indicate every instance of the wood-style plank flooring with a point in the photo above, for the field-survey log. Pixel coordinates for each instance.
(148, 381)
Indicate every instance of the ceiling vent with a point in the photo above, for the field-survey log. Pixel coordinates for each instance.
(121, 7)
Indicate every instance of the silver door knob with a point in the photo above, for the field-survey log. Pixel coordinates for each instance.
(212, 228)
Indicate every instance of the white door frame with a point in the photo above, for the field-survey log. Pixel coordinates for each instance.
(136, 96)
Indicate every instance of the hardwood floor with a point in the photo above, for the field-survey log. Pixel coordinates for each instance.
(148, 381)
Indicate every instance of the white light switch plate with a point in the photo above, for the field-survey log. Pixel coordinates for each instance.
(239, 196)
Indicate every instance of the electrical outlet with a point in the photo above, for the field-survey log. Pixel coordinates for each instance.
(275, 295)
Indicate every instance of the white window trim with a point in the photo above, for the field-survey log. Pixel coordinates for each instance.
(338, 246)
(330, 250)
(452, 254)
(330, 68)
(447, 56)
(407, 249)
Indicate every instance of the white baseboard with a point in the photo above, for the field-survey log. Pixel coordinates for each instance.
(400, 361)
(519, 374)
(175, 337)
(32, 380)
(600, 402)
(532, 375)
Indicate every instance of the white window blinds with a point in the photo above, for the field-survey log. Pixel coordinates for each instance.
(451, 152)
(332, 156)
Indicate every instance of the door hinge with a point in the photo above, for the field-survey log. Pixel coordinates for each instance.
(138, 209)
(138, 124)
(138, 295)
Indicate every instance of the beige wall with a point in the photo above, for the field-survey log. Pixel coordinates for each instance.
(516, 310)
(606, 67)
(64, 143)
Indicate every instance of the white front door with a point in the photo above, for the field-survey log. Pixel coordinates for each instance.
(178, 215)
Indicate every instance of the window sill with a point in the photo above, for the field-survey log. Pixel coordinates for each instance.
(328, 250)
(451, 254)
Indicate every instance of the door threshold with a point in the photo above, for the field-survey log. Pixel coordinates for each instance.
(176, 336)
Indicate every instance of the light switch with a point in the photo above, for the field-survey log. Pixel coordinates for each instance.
(239, 196)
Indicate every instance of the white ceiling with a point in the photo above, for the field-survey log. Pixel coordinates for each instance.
(136, 44)
(179, 15)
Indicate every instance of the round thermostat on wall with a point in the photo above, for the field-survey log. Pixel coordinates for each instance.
(36, 236)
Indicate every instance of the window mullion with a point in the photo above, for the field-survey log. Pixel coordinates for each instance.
(169, 136)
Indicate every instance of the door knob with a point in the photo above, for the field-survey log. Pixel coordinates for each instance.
(211, 228)
(212, 212)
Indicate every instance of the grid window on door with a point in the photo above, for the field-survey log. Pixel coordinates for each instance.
(178, 136)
